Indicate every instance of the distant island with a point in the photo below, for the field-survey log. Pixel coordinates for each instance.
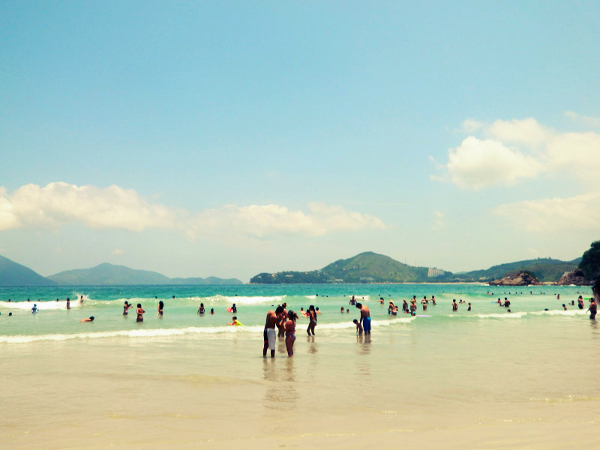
(14, 274)
(369, 267)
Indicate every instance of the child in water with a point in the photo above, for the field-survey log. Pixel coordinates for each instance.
(235, 323)
(359, 328)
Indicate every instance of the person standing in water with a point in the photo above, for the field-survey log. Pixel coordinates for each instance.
(290, 332)
(454, 305)
(126, 307)
(312, 316)
(594, 300)
(140, 313)
(270, 336)
(201, 309)
(365, 317)
(161, 306)
(580, 302)
(68, 303)
(424, 303)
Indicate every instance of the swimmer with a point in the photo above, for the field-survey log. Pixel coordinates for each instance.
(201, 309)
(140, 313)
(235, 322)
(91, 319)
(290, 332)
(433, 300)
(269, 334)
(404, 306)
(593, 309)
(233, 309)
(347, 310)
(506, 303)
(34, 309)
(9, 314)
(424, 303)
(161, 306)
(359, 328)
(212, 310)
(126, 307)
(564, 307)
(454, 305)
(580, 302)
(342, 310)
(318, 312)
(469, 309)
(68, 303)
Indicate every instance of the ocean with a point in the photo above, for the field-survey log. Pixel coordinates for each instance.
(485, 378)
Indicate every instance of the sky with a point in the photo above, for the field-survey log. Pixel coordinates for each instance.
(231, 138)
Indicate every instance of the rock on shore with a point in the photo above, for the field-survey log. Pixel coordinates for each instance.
(517, 279)
(576, 277)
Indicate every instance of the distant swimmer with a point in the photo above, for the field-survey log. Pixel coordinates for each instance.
(201, 309)
(365, 317)
(424, 303)
(564, 307)
(381, 301)
(558, 297)
(234, 309)
(469, 309)
(317, 310)
(212, 310)
(161, 307)
(270, 336)
(235, 322)
(312, 315)
(68, 303)
(359, 328)
(342, 310)
(91, 319)
(140, 313)
(352, 301)
(433, 300)
(347, 310)
(290, 332)
(454, 305)
(34, 309)
(506, 303)
(126, 307)
(81, 299)
(404, 306)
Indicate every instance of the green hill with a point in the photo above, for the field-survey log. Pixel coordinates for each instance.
(108, 275)
(545, 269)
(14, 274)
(367, 267)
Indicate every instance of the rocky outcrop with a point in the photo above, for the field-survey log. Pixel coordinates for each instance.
(576, 277)
(517, 279)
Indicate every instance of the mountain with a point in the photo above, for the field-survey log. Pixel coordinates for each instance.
(14, 274)
(109, 274)
(208, 280)
(371, 267)
(367, 267)
(545, 269)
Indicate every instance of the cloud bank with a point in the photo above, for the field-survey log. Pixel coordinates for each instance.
(59, 204)
(506, 152)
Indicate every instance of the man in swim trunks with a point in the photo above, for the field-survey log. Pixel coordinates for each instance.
(365, 317)
(270, 336)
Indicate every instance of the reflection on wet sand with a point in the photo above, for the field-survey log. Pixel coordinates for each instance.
(281, 390)
(363, 365)
(312, 345)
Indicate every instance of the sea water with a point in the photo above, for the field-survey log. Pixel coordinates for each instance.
(485, 378)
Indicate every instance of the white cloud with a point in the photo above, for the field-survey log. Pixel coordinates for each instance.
(117, 251)
(438, 221)
(477, 164)
(513, 150)
(264, 220)
(58, 204)
(550, 215)
(585, 120)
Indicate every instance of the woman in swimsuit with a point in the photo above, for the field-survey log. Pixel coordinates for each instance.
(126, 307)
(312, 314)
(201, 309)
(290, 332)
(161, 305)
(140, 313)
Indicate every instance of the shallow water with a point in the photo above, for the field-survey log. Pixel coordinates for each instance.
(480, 379)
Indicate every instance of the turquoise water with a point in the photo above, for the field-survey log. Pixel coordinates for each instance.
(54, 322)
(484, 379)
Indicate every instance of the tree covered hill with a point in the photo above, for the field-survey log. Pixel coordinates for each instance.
(545, 269)
(14, 274)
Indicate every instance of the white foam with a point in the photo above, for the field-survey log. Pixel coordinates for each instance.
(228, 301)
(41, 305)
(492, 316)
(160, 332)
(574, 312)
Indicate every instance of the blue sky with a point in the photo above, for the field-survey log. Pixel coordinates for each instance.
(225, 139)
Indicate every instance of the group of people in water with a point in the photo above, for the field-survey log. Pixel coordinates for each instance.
(285, 323)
